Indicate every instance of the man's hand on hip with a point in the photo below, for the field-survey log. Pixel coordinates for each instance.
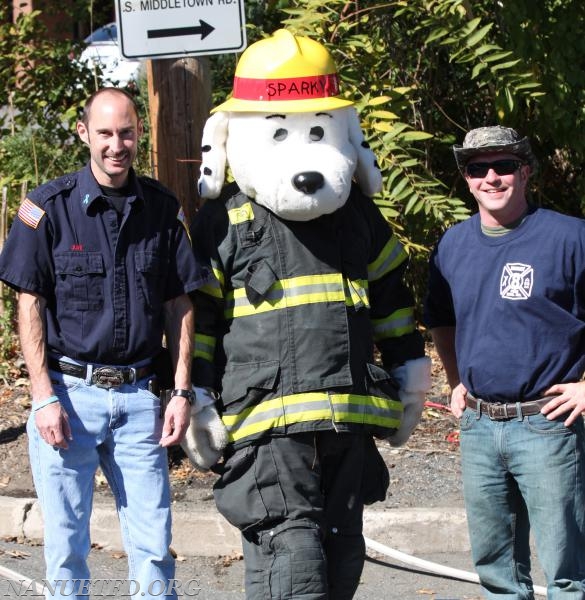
(571, 399)
(458, 396)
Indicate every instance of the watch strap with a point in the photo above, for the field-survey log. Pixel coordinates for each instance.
(189, 394)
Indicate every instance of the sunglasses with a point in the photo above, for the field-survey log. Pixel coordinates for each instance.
(501, 167)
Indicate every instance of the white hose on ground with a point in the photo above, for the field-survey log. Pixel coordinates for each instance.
(431, 567)
(30, 585)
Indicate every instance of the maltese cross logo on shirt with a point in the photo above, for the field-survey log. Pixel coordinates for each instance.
(516, 281)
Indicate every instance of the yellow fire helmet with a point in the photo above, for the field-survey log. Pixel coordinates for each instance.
(285, 73)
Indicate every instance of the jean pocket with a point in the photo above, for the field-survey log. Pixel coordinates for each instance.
(540, 424)
(468, 420)
(65, 384)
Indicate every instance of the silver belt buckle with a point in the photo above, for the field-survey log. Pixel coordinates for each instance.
(107, 377)
(491, 410)
(498, 412)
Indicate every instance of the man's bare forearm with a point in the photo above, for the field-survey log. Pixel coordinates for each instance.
(31, 328)
(444, 340)
(179, 327)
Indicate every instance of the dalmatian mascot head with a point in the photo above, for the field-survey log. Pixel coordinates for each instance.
(293, 144)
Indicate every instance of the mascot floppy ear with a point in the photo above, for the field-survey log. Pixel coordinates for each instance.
(213, 151)
(367, 173)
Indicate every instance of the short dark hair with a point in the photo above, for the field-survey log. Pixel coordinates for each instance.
(89, 102)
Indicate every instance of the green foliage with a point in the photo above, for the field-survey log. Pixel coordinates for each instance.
(41, 82)
(44, 94)
(34, 156)
(43, 91)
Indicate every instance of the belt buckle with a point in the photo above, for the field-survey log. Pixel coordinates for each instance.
(495, 413)
(107, 377)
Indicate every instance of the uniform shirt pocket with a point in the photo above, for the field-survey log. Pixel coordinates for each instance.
(80, 278)
(149, 280)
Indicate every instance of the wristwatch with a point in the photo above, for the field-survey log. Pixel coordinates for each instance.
(189, 394)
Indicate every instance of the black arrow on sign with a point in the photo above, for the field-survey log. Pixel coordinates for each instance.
(204, 29)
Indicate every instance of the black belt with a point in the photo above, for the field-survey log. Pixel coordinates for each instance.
(103, 377)
(501, 412)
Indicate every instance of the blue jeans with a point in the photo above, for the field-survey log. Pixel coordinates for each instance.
(520, 475)
(119, 430)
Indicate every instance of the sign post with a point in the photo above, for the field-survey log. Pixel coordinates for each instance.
(176, 28)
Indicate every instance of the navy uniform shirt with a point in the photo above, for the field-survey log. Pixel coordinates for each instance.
(104, 278)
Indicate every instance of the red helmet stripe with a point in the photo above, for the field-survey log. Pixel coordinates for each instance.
(288, 88)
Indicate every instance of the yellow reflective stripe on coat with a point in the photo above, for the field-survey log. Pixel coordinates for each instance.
(392, 255)
(313, 406)
(204, 347)
(297, 291)
(215, 287)
(400, 322)
(241, 214)
(356, 293)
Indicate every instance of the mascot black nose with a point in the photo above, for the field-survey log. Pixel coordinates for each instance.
(308, 182)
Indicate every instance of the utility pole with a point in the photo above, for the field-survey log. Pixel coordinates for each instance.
(179, 94)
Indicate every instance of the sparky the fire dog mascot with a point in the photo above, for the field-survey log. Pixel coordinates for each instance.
(308, 282)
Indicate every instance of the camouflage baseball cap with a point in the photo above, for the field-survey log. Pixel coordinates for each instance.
(484, 140)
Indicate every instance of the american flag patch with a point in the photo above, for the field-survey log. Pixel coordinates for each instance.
(30, 214)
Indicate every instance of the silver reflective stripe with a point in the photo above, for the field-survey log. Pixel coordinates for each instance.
(313, 406)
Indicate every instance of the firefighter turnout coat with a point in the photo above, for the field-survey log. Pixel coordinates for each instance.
(286, 332)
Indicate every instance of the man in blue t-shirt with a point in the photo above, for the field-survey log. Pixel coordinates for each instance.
(506, 309)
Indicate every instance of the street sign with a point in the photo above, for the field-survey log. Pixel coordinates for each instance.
(167, 28)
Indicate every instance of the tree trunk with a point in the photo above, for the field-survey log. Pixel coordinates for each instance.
(179, 92)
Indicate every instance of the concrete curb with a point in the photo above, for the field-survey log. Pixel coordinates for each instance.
(204, 532)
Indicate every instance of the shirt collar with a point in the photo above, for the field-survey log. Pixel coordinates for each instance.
(89, 189)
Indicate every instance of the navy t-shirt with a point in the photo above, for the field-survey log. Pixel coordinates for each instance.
(105, 277)
(517, 302)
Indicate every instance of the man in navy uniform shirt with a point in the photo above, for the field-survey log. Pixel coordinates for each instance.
(506, 308)
(103, 265)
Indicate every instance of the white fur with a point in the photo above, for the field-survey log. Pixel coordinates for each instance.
(266, 152)
(414, 375)
(414, 379)
(213, 155)
(206, 435)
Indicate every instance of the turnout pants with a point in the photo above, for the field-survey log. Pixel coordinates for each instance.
(299, 501)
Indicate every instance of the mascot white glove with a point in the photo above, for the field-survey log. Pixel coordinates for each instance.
(206, 436)
(414, 379)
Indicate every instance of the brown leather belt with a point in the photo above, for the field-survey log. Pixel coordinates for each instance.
(102, 376)
(502, 412)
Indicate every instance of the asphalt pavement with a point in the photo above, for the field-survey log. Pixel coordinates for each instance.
(209, 564)
(221, 577)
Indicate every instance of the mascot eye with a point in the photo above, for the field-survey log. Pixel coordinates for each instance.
(280, 135)
(316, 134)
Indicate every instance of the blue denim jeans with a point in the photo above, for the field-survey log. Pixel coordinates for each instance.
(119, 430)
(521, 475)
